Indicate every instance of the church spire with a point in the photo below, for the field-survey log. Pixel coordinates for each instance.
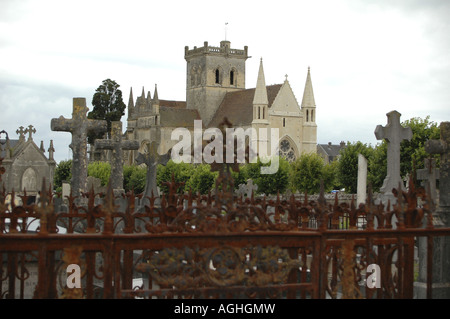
(155, 95)
(260, 97)
(308, 103)
(130, 103)
(308, 94)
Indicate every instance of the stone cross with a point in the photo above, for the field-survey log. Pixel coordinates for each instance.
(21, 133)
(151, 158)
(30, 130)
(117, 146)
(251, 187)
(78, 126)
(442, 147)
(430, 174)
(394, 134)
(246, 189)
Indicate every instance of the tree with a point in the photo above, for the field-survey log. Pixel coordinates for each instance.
(377, 166)
(100, 170)
(63, 172)
(134, 178)
(413, 152)
(348, 164)
(202, 180)
(309, 170)
(270, 183)
(108, 105)
(181, 172)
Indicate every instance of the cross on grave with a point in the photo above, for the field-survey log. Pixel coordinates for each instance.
(30, 130)
(21, 133)
(151, 158)
(250, 187)
(117, 146)
(430, 174)
(79, 126)
(442, 147)
(394, 134)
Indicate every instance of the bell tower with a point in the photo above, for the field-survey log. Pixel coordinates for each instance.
(211, 72)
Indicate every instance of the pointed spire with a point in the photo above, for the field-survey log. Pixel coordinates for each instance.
(260, 97)
(308, 94)
(131, 100)
(149, 98)
(51, 150)
(130, 103)
(42, 147)
(155, 95)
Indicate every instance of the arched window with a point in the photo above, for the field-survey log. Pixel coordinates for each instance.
(217, 76)
(312, 115)
(287, 151)
(307, 115)
(232, 77)
(259, 112)
(264, 113)
(284, 122)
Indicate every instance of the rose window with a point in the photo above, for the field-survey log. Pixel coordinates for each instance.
(287, 151)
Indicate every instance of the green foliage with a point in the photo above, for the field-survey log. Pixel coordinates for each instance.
(63, 172)
(309, 170)
(134, 178)
(181, 172)
(241, 176)
(377, 166)
(413, 152)
(330, 176)
(348, 164)
(101, 170)
(108, 105)
(269, 183)
(202, 180)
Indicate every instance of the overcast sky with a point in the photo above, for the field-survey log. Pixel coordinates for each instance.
(367, 58)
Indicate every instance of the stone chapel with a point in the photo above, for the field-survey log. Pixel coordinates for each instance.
(26, 164)
(216, 88)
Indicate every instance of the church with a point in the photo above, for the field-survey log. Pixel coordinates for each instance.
(215, 89)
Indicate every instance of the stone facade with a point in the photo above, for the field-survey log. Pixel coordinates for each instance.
(215, 89)
(26, 164)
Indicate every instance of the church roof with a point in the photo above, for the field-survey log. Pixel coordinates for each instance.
(177, 117)
(174, 104)
(237, 106)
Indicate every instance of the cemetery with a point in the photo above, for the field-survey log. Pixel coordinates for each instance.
(228, 243)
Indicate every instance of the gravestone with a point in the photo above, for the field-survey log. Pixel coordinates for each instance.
(151, 158)
(245, 190)
(362, 180)
(117, 146)
(429, 175)
(441, 245)
(394, 134)
(78, 126)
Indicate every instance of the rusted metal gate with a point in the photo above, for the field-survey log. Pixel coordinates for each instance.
(205, 246)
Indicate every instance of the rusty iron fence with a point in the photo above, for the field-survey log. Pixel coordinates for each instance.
(212, 246)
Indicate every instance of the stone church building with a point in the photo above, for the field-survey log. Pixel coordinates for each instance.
(215, 89)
